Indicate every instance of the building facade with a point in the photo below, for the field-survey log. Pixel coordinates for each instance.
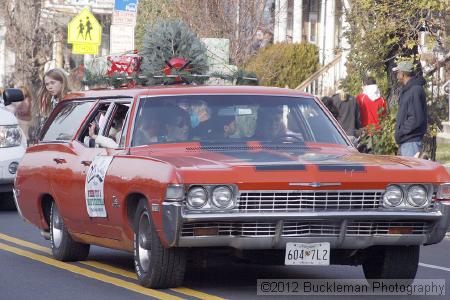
(320, 22)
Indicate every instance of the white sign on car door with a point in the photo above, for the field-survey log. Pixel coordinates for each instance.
(94, 186)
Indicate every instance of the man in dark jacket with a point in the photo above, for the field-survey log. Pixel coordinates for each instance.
(411, 123)
(348, 112)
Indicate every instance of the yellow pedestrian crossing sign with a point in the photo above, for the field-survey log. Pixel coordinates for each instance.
(85, 33)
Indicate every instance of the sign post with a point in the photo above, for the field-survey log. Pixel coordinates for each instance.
(84, 32)
(122, 27)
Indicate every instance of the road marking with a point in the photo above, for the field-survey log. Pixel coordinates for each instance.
(196, 294)
(108, 268)
(25, 243)
(132, 275)
(434, 267)
(90, 274)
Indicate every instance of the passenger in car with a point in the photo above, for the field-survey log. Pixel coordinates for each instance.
(103, 141)
(148, 131)
(269, 124)
(200, 113)
(114, 133)
(178, 124)
(218, 127)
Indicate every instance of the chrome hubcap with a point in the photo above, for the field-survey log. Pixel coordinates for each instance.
(144, 242)
(56, 228)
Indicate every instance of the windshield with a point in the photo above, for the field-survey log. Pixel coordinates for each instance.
(232, 118)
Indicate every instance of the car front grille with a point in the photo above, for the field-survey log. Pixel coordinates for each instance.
(382, 227)
(310, 228)
(305, 228)
(293, 201)
(232, 228)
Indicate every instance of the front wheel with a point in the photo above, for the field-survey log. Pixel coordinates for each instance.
(392, 262)
(64, 248)
(156, 266)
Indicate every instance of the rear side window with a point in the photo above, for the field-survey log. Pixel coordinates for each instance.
(67, 121)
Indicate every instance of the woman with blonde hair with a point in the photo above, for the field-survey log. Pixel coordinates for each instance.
(54, 89)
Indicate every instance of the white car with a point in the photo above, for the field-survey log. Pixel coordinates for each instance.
(13, 144)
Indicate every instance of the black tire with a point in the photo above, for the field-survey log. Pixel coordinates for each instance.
(156, 266)
(64, 248)
(392, 262)
(7, 201)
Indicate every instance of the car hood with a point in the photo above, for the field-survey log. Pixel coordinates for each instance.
(306, 164)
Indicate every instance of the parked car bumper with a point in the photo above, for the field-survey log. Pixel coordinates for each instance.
(9, 160)
(344, 230)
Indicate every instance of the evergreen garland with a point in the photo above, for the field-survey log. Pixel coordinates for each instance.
(120, 80)
(117, 80)
(168, 39)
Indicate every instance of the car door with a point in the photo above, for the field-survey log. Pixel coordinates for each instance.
(89, 178)
(61, 158)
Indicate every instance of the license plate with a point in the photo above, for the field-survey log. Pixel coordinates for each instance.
(307, 254)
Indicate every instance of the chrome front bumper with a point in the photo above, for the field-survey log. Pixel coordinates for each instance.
(174, 218)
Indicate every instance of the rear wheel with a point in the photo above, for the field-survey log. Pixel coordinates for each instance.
(64, 248)
(156, 266)
(392, 262)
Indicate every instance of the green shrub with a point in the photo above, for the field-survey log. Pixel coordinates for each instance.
(381, 140)
(284, 64)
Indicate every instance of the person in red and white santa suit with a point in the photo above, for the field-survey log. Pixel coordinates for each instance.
(371, 104)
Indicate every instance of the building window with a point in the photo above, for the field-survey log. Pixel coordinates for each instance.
(314, 6)
(313, 9)
(312, 28)
(290, 20)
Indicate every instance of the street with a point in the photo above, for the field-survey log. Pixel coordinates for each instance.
(28, 271)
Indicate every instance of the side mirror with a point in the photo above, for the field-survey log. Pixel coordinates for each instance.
(12, 95)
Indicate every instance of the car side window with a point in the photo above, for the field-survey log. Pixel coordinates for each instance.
(97, 117)
(67, 121)
(115, 125)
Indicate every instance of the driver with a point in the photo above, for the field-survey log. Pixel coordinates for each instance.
(269, 124)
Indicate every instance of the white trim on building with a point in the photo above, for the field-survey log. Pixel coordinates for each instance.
(320, 22)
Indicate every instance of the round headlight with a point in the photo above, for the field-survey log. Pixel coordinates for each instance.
(197, 197)
(393, 196)
(417, 196)
(222, 196)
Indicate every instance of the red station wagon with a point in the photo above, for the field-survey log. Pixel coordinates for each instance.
(263, 173)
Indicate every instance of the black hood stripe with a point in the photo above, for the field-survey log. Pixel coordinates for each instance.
(340, 167)
(281, 168)
(266, 160)
(243, 152)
